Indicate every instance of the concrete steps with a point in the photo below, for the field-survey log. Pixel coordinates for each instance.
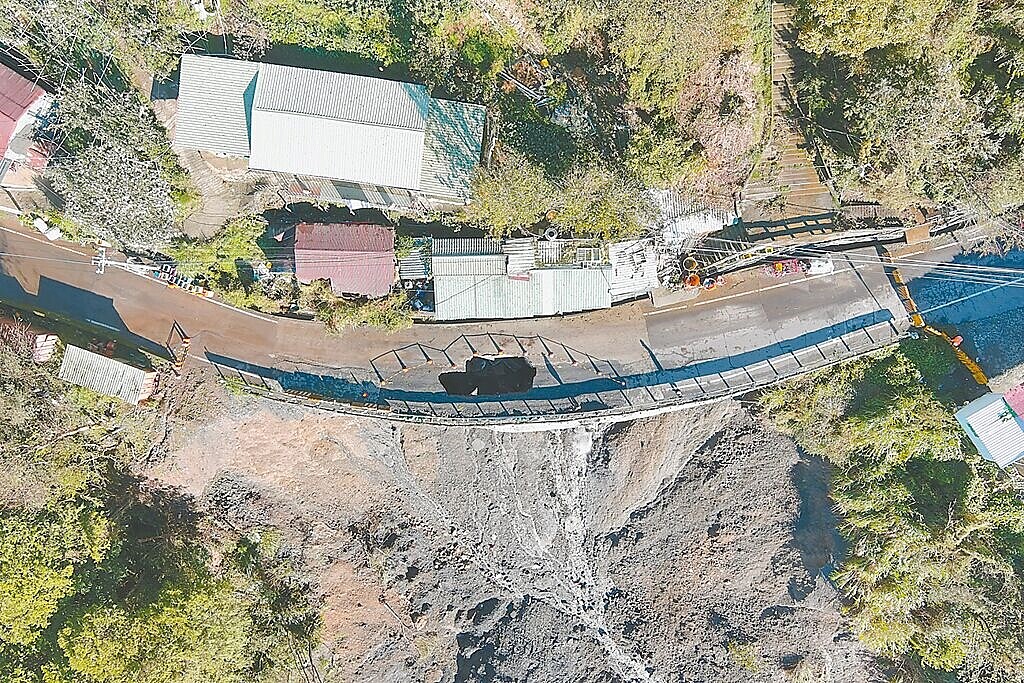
(790, 166)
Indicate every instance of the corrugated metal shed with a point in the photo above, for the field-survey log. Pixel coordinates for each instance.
(106, 375)
(451, 148)
(214, 101)
(358, 258)
(478, 288)
(522, 254)
(634, 268)
(415, 265)
(466, 246)
(345, 97)
(994, 428)
(569, 290)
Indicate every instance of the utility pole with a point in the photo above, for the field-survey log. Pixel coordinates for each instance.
(100, 260)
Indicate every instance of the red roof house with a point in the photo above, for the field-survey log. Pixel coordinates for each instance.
(17, 95)
(358, 258)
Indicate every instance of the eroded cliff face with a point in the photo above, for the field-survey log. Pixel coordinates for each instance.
(685, 547)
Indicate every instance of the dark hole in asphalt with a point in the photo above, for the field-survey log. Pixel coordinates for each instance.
(490, 377)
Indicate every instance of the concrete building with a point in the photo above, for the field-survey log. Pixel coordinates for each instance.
(358, 258)
(994, 425)
(106, 375)
(332, 137)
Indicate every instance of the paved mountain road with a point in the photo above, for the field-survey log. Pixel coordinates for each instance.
(630, 356)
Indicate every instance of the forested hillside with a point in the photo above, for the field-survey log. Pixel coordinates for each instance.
(919, 100)
(935, 534)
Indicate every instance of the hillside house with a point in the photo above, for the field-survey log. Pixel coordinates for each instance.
(332, 137)
(358, 258)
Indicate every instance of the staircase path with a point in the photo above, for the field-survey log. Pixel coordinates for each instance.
(787, 172)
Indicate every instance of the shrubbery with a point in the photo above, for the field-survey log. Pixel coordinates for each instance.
(935, 534)
(390, 313)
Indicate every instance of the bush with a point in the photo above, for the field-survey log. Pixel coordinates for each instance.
(391, 313)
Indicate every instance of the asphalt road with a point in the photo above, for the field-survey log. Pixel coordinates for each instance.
(984, 307)
(748, 321)
(775, 312)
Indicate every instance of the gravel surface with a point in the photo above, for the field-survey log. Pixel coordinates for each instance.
(685, 547)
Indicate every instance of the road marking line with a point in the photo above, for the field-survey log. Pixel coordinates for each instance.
(254, 314)
(41, 241)
(807, 278)
(97, 322)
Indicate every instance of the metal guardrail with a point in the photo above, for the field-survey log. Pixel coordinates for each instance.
(848, 345)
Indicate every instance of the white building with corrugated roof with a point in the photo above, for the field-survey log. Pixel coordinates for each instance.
(485, 279)
(332, 137)
(993, 424)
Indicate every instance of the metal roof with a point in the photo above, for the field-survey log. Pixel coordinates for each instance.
(307, 122)
(522, 254)
(465, 246)
(634, 268)
(17, 94)
(289, 142)
(415, 265)
(345, 236)
(478, 288)
(214, 100)
(358, 258)
(569, 290)
(345, 97)
(106, 375)
(451, 148)
(994, 428)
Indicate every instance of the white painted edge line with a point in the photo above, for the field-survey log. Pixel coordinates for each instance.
(716, 300)
(48, 243)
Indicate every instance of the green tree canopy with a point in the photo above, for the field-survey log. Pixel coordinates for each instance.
(852, 27)
(935, 534)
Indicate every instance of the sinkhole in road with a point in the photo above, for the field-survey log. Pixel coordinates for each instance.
(490, 376)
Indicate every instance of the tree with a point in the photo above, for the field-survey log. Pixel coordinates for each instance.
(852, 27)
(597, 202)
(663, 43)
(512, 196)
(934, 532)
(38, 560)
(187, 635)
(115, 195)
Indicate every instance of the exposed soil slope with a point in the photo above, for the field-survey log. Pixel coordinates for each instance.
(670, 549)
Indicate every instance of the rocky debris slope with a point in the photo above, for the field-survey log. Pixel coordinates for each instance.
(675, 548)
